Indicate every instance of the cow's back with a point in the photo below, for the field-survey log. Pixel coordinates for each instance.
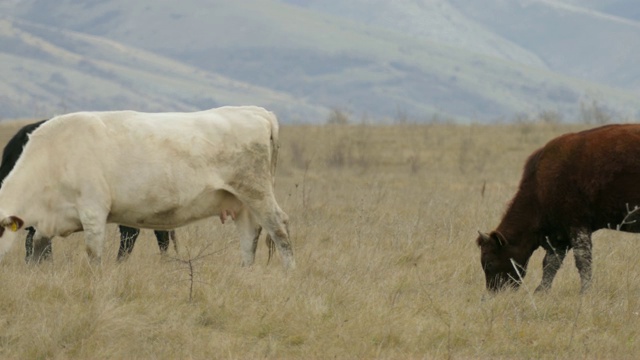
(125, 140)
(14, 147)
(576, 174)
(149, 163)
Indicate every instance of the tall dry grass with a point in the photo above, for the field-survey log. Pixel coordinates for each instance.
(383, 223)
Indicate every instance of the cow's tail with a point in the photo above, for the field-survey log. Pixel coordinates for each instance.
(275, 146)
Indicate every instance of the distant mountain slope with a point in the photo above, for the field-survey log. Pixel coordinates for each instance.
(627, 9)
(47, 71)
(572, 40)
(302, 57)
(434, 20)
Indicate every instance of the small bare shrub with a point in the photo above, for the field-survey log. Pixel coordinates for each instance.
(465, 156)
(401, 118)
(305, 190)
(550, 117)
(472, 157)
(594, 114)
(298, 158)
(338, 117)
(352, 148)
(414, 162)
(189, 264)
(339, 154)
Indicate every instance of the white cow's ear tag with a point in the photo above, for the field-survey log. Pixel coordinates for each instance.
(14, 226)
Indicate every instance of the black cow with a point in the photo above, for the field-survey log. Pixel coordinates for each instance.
(128, 235)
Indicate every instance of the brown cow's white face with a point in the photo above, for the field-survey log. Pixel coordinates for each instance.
(495, 257)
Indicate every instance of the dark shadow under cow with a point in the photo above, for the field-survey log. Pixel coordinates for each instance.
(41, 249)
(575, 185)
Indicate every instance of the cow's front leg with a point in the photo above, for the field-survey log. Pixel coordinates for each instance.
(93, 224)
(28, 244)
(550, 265)
(581, 243)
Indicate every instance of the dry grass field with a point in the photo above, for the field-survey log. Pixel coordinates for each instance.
(383, 223)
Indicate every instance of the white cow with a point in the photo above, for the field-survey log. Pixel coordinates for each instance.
(151, 170)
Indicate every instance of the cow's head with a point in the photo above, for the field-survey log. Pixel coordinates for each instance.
(496, 255)
(13, 223)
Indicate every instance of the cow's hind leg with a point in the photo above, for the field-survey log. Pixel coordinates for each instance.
(276, 223)
(249, 232)
(550, 266)
(163, 238)
(581, 243)
(128, 236)
(172, 236)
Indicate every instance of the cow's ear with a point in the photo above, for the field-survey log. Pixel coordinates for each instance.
(499, 239)
(12, 222)
(483, 239)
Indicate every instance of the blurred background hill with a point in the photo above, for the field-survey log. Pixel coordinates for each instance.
(376, 60)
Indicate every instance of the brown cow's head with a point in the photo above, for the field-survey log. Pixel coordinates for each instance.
(495, 256)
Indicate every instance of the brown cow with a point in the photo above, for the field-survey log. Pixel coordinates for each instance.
(576, 184)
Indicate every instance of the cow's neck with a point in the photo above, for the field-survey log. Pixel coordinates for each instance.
(521, 223)
(19, 193)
